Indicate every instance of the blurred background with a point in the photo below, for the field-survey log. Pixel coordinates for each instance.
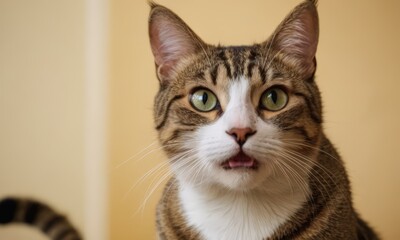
(77, 84)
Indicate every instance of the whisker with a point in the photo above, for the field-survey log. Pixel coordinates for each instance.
(153, 189)
(279, 165)
(307, 159)
(150, 151)
(135, 155)
(301, 143)
(163, 177)
(146, 175)
(295, 157)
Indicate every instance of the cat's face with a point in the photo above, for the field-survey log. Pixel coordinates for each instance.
(237, 117)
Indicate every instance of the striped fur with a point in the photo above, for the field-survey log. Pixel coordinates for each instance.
(38, 215)
(299, 188)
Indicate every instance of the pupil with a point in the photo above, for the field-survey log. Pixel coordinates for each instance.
(274, 96)
(205, 98)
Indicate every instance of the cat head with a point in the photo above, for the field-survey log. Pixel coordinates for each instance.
(237, 116)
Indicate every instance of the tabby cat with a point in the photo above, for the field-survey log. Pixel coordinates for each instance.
(242, 127)
(39, 215)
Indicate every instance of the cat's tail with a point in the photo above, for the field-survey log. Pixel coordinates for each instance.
(39, 215)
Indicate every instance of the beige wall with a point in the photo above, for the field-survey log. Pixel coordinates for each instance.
(52, 109)
(357, 73)
(41, 96)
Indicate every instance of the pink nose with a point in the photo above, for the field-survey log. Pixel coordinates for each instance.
(241, 134)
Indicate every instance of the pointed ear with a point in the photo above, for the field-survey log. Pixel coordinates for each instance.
(171, 41)
(296, 38)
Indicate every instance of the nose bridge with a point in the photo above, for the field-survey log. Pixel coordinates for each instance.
(240, 113)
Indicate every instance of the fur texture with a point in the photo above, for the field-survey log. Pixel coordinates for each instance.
(290, 183)
(39, 215)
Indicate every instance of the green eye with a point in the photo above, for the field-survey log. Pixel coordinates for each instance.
(203, 100)
(274, 99)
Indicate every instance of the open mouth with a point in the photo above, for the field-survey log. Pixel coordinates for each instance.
(241, 160)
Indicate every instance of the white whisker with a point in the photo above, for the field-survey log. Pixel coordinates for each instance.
(135, 155)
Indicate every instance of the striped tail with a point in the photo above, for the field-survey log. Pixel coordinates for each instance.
(39, 215)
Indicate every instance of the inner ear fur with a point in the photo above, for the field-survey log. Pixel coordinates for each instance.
(171, 41)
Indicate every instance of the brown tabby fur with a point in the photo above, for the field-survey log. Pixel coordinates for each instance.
(15, 210)
(329, 213)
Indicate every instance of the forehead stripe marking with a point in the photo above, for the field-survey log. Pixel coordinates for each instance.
(263, 75)
(214, 74)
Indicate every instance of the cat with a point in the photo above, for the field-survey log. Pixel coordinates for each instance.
(242, 127)
(39, 215)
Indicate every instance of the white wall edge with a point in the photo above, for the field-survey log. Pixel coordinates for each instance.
(96, 105)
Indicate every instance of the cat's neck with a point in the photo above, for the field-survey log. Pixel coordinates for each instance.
(219, 213)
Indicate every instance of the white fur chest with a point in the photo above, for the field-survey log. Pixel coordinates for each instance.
(220, 215)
